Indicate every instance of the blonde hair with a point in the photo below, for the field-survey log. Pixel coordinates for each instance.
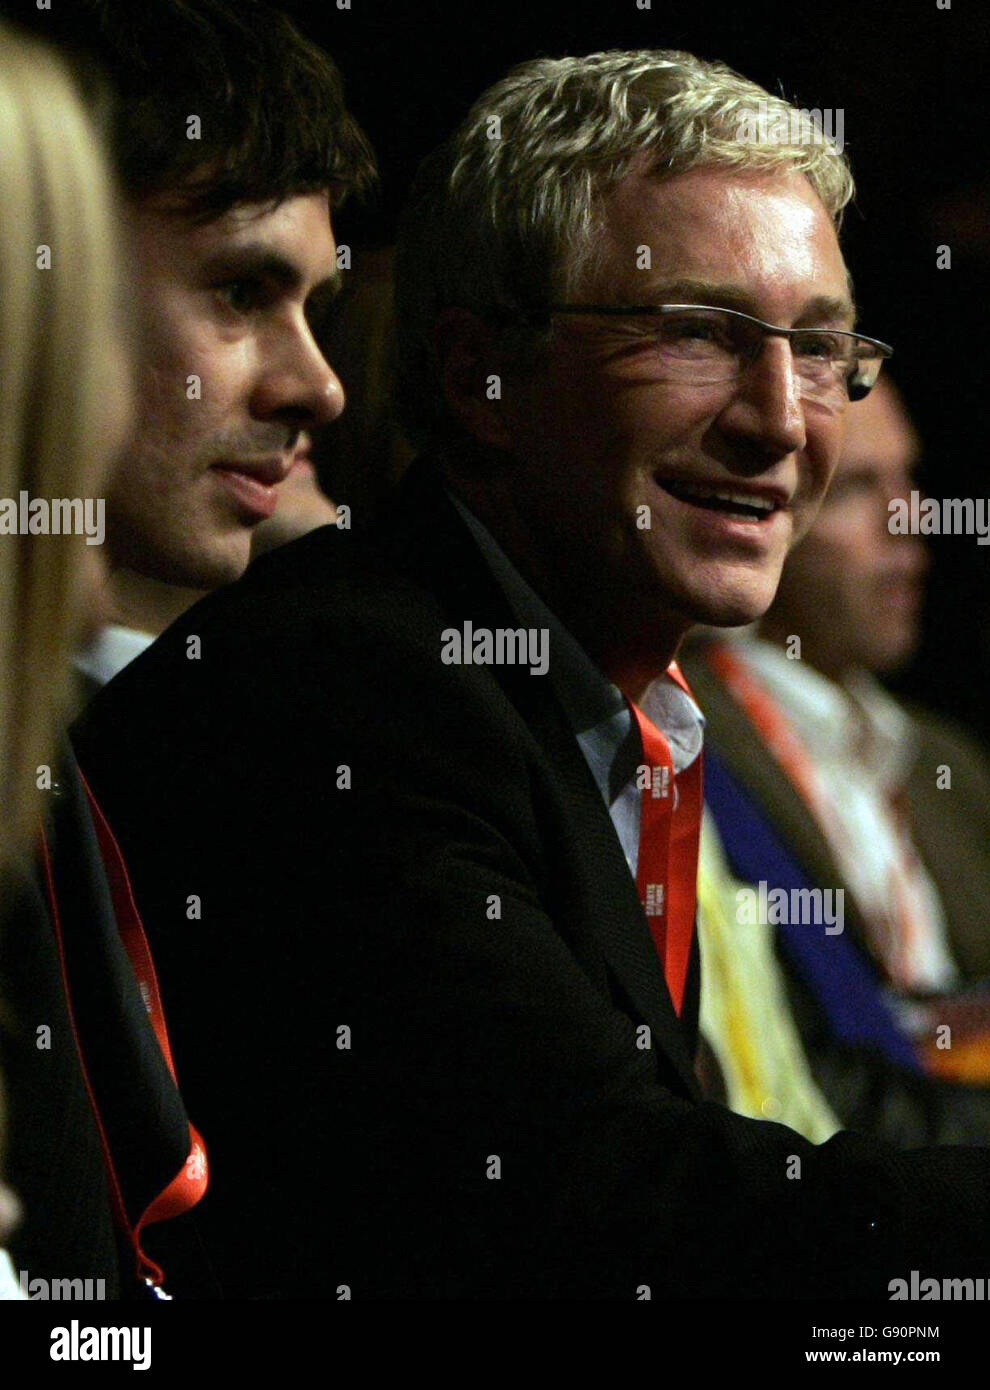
(63, 392)
(505, 215)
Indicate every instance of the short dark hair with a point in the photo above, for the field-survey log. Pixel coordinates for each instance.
(272, 119)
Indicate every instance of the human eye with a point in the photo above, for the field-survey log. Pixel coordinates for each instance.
(822, 346)
(243, 295)
(683, 327)
(693, 334)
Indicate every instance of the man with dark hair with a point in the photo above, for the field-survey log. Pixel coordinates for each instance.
(232, 146)
(417, 836)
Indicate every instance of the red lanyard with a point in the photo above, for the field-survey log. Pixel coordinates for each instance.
(771, 725)
(190, 1183)
(669, 832)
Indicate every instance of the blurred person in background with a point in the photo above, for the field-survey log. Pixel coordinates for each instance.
(818, 777)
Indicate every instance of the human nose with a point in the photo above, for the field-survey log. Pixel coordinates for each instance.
(766, 405)
(297, 383)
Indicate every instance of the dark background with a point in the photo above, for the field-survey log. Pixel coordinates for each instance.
(912, 81)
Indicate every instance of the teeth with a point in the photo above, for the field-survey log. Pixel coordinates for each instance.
(746, 499)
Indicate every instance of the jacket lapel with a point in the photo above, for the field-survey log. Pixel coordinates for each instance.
(599, 888)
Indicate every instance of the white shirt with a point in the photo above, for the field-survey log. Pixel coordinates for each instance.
(113, 649)
(862, 745)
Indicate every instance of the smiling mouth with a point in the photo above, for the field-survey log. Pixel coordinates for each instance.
(740, 506)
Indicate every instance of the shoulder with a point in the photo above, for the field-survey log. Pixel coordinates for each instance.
(327, 652)
(944, 742)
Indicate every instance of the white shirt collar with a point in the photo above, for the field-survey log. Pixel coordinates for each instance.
(840, 723)
(111, 650)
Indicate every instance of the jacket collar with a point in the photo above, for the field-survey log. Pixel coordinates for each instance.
(451, 565)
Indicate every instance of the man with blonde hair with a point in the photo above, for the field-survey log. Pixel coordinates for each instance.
(443, 988)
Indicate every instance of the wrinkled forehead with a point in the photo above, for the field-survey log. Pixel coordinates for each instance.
(766, 238)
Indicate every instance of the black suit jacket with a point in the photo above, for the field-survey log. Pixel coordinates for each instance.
(412, 992)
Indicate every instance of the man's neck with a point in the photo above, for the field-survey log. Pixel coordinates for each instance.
(144, 604)
(631, 642)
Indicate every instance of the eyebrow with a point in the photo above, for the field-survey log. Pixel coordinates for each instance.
(820, 309)
(262, 262)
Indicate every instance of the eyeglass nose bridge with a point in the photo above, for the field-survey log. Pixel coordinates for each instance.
(754, 335)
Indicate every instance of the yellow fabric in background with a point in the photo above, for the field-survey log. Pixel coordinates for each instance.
(745, 1014)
